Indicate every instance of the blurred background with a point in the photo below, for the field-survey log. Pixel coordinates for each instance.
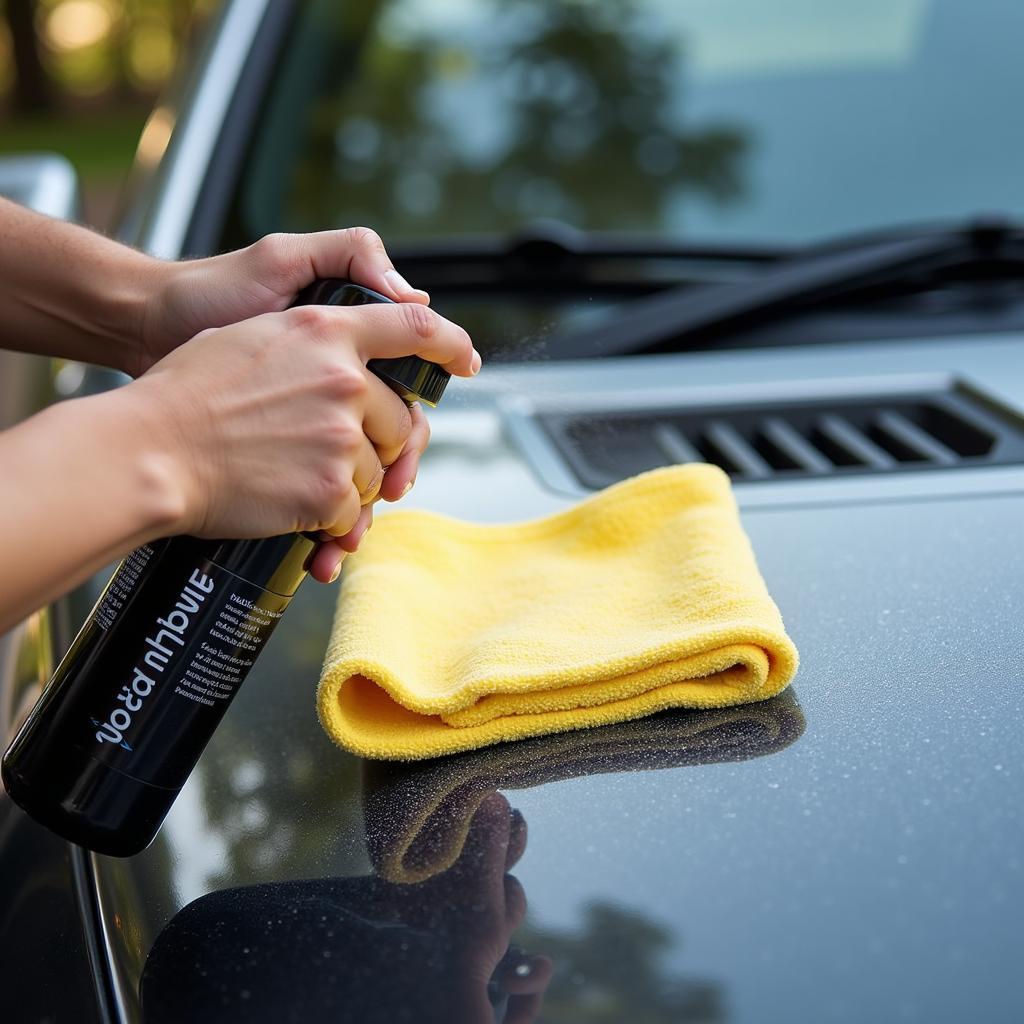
(80, 77)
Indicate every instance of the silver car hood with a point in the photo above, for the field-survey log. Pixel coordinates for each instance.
(864, 863)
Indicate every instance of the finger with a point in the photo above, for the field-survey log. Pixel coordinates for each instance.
(368, 473)
(387, 421)
(516, 840)
(344, 515)
(526, 974)
(483, 854)
(408, 328)
(385, 331)
(401, 474)
(288, 262)
(515, 903)
(350, 541)
(326, 564)
(524, 1009)
(359, 254)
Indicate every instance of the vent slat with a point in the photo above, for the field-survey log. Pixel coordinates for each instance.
(967, 428)
(916, 439)
(841, 432)
(737, 451)
(795, 445)
(671, 441)
(783, 439)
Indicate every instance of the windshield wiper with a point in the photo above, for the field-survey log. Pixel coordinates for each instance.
(549, 256)
(814, 277)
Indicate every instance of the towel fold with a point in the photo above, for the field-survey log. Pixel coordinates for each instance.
(418, 816)
(452, 635)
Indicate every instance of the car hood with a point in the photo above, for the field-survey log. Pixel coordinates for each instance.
(848, 851)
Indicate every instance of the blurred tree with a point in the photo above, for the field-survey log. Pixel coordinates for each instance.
(611, 970)
(80, 76)
(518, 110)
(115, 50)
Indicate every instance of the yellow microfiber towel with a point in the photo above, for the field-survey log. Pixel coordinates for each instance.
(452, 635)
(418, 815)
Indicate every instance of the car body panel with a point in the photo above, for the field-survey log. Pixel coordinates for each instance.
(868, 869)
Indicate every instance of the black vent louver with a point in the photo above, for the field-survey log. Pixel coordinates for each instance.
(777, 440)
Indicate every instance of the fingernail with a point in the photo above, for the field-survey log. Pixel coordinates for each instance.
(398, 284)
(336, 573)
(475, 363)
(406, 489)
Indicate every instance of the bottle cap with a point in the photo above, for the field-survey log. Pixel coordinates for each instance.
(412, 378)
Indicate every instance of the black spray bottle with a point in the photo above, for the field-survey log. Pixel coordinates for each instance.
(118, 729)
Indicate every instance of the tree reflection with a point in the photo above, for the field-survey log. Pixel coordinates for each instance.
(611, 969)
(524, 109)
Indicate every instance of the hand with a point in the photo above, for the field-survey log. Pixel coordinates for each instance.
(471, 911)
(357, 948)
(275, 425)
(193, 295)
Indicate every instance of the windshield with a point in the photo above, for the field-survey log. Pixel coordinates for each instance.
(718, 120)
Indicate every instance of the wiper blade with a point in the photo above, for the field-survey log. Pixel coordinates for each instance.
(550, 255)
(811, 278)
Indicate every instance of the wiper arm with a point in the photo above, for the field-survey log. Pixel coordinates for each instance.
(810, 278)
(552, 256)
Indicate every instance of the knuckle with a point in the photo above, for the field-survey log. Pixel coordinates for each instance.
(344, 436)
(277, 252)
(334, 487)
(403, 423)
(309, 319)
(365, 238)
(344, 382)
(420, 320)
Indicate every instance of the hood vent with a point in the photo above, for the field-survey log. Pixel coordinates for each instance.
(796, 439)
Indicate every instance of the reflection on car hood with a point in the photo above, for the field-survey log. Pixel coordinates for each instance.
(417, 816)
(425, 936)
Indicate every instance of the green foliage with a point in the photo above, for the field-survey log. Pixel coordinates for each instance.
(79, 76)
(527, 109)
(99, 146)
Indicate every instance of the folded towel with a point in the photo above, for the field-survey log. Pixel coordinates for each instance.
(452, 635)
(418, 816)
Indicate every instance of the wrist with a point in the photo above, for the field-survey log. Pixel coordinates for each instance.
(150, 461)
(123, 312)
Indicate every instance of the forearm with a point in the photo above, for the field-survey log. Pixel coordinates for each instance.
(70, 292)
(84, 482)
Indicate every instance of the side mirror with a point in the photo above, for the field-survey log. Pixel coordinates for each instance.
(42, 181)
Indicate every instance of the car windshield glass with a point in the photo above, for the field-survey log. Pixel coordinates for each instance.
(718, 120)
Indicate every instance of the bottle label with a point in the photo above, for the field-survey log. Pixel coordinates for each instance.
(182, 650)
(121, 586)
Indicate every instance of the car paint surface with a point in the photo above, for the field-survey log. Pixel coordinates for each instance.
(869, 867)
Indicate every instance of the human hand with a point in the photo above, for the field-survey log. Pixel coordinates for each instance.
(471, 911)
(192, 295)
(275, 425)
(358, 948)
